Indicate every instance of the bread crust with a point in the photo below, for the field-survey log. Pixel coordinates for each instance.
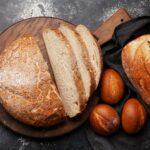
(27, 90)
(136, 63)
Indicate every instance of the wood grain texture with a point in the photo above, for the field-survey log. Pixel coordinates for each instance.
(34, 27)
(105, 31)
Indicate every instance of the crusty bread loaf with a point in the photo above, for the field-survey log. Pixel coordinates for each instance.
(136, 63)
(26, 88)
(65, 70)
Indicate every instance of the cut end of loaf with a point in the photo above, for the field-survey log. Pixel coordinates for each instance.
(84, 82)
(75, 52)
(93, 50)
(61, 61)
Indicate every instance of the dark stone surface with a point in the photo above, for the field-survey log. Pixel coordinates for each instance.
(90, 13)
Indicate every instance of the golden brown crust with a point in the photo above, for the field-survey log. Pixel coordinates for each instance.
(26, 87)
(136, 65)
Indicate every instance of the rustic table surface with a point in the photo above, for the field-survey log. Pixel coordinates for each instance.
(90, 13)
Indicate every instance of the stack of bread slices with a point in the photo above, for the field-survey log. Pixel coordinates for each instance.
(28, 91)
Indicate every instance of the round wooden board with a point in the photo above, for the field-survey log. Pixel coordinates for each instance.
(34, 27)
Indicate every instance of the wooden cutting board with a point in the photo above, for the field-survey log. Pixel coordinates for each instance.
(34, 27)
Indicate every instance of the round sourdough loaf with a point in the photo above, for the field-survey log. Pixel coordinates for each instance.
(26, 88)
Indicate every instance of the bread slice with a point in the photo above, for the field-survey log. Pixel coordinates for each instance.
(94, 53)
(78, 49)
(136, 63)
(65, 71)
(26, 89)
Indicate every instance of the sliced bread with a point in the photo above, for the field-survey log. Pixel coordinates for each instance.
(76, 45)
(93, 51)
(65, 70)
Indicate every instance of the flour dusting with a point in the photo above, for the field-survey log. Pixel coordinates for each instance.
(134, 9)
(37, 8)
(23, 143)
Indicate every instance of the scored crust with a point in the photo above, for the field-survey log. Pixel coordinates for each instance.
(26, 88)
(136, 63)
